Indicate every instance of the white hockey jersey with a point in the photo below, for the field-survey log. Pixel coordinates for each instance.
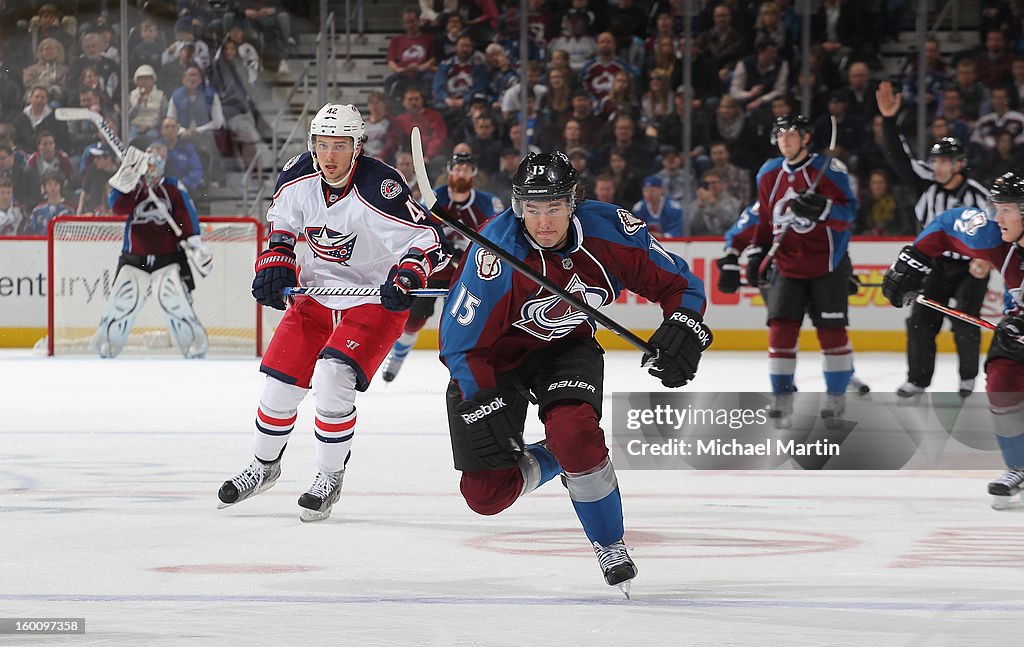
(357, 233)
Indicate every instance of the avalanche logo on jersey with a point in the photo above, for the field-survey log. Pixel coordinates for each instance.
(630, 223)
(331, 245)
(488, 266)
(552, 317)
(390, 189)
(781, 209)
(148, 211)
(970, 222)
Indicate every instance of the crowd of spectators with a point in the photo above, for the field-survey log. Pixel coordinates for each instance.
(195, 76)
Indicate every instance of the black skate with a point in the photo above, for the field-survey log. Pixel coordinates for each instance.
(1004, 488)
(257, 477)
(317, 502)
(619, 570)
(966, 388)
(909, 390)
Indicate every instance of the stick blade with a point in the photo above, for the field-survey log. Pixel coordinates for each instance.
(422, 178)
(75, 114)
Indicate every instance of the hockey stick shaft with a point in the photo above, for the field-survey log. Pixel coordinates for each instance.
(767, 261)
(956, 314)
(360, 292)
(861, 285)
(423, 179)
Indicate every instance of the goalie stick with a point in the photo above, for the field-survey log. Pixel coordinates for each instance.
(427, 192)
(956, 314)
(360, 292)
(115, 143)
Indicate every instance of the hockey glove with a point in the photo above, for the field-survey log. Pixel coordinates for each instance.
(133, 166)
(811, 206)
(491, 433)
(754, 259)
(681, 339)
(275, 271)
(905, 276)
(403, 278)
(199, 254)
(728, 273)
(1010, 335)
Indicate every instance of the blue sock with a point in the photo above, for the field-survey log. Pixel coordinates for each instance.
(602, 519)
(549, 467)
(837, 381)
(1013, 451)
(783, 383)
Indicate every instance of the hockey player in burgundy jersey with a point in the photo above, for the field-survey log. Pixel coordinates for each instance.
(811, 268)
(363, 228)
(971, 232)
(153, 255)
(505, 340)
(473, 207)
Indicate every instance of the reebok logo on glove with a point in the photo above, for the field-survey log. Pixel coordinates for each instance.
(914, 263)
(484, 410)
(702, 333)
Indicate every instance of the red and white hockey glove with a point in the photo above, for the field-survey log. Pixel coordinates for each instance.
(410, 274)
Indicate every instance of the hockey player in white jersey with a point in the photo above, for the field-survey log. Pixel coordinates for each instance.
(363, 228)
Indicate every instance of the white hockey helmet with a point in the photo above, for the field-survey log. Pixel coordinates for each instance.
(338, 120)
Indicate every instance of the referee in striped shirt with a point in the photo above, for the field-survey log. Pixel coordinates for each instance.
(942, 184)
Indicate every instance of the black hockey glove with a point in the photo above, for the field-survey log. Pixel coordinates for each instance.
(491, 433)
(275, 271)
(681, 339)
(395, 292)
(812, 206)
(728, 273)
(754, 259)
(1010, 335)
(853, 285)
(905, 276)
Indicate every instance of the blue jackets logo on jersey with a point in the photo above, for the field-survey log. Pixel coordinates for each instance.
(330, 245)
(390, 189)
(551, 317)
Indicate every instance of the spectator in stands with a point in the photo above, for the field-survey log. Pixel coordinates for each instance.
(721, 46)
(445, 46)
(656, 103)
(457, 79)
(501, 77)
(403, 162)
(99, 167)
(834, 28)
(993, 63)
(246, 53)
(171, 73)
(485, 143)
(560, 61)
(52, 206)
(1017, 72)
(662, 27)
(46, 24)
(860, 92)
(872, 153)
(500, 183)
(850, 130)
(579, 158)
(598, 76)
(11, 215)
(535, 81)
(675, 181)
(627, 21)
(936, 72)
(147, 105)
(81, 133)
(1000, 120)
(107, 48)
(182, 158)
(667, 58)
(582, 111)
(236, 100)
(625, 141)
(713, 210)
(411, 56)
(735, 180)
(92, 56)
(732, 127)
(559, 96)
(880, 213)
(974, 99)
(759, 78)
(571, 136)
(377, 124)
(48, 158)
(49, 70)
(627, 178)
(1004, 158)
(270, 21)
(768, 25)
(960, 126)
(149, 49)
(604, 188)
(197, 107)
(185, 37)
(663, 215)
(513, 132)
(40, 116)
(25, 183)
(622, 99)
(433, 130)
(480, 18)
(575, 40)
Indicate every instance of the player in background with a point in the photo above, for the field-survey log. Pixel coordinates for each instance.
(811, 268)
(738, 237)
(363, 229)
(460, 199)
(506, 342)
(974, 233)
(942, 184)
(153, 255)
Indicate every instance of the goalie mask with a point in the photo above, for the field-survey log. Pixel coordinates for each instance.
(543, 177)
(157, 164)
(338, 120)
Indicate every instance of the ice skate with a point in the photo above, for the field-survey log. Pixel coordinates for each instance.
(966, 388)
(317, 502)
(394, 361)
(909, 390)
(835, 407)
(257, 477)
(1004, 488)
(781, 410)
(857, 386)
(619, 570)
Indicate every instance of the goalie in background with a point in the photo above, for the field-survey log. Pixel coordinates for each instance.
(155, 254)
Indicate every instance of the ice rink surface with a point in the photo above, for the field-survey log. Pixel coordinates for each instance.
(108, 480)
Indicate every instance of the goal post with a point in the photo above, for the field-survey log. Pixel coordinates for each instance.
(82, 255)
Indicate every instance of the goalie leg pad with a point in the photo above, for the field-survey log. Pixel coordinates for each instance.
(182, 322)
(127, 296)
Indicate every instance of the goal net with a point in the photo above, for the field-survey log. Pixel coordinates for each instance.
(83, 253)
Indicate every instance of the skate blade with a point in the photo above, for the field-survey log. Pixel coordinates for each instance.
(310, 516)
(1000, 502)
(263, 488)
(624, 587)
(783, 422)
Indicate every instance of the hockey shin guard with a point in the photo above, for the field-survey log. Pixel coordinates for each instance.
(127, 296)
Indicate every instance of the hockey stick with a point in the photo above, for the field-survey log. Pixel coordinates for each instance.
(956, 314)
(423, 179)
(862, 285)
(360, 292)
(767, 260)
